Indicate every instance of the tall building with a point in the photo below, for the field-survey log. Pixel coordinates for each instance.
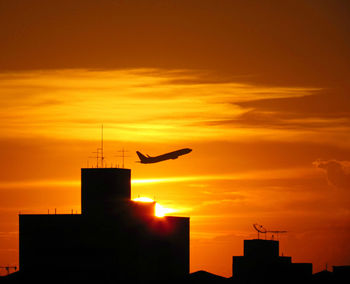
(114, 238)
(261, 263)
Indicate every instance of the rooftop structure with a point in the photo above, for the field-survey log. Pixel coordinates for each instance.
(114, 237)
(261, 263)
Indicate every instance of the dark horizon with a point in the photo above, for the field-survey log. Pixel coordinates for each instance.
(258, 89)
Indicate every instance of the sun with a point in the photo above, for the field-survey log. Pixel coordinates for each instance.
(160, 211)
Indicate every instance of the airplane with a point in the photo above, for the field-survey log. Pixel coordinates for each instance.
(167, 156)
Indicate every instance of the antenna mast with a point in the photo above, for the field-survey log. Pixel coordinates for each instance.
(8, 268)
(122, 155)
(99, 151)
(102, 157)
(262, 230)
(276, 232)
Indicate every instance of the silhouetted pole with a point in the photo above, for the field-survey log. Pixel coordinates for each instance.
(102, 157)
(8, 268)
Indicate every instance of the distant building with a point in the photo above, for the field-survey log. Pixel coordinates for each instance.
(341, 274)
(261, 263)
(323, 277)
(115, 239)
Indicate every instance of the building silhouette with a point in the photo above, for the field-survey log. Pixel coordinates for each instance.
(261, 263)
(342, 272)
(114, 239)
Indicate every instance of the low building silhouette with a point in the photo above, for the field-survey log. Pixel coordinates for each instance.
(261, 263)
(340, 274)
(114, 239)
(323, 277)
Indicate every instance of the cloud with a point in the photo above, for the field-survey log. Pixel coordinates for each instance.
(317, 109)
(241, 38)
(280, 121)
(328, 103)
(337, 172)
(136, 105)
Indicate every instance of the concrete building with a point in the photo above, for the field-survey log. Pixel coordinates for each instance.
(114, 239)
(261, 263)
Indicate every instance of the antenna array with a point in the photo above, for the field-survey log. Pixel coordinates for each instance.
(262, 230)
(122, 155)
(99, 152)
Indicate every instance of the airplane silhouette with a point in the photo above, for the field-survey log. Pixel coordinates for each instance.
(160, 158)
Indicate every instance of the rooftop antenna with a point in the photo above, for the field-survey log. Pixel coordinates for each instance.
(99, 151)
(260, 229)
(276, 232)
(8, 268)
(122, 155)
(96, 157)
(102, 157)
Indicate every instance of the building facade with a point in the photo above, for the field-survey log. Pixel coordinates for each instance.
(261, 263)
(114, 239)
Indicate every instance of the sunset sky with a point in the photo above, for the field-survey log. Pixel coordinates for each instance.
(258, 89)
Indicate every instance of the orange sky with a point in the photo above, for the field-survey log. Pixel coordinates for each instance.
(259, 92)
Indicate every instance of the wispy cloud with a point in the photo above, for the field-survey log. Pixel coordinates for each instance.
(39, 184)
(136, 105)
(252, 175)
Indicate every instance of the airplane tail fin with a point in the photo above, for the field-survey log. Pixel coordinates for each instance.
(141, 156)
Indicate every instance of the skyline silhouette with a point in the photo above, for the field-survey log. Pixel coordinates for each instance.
(116, 239)
(113, 236)
(258, 89)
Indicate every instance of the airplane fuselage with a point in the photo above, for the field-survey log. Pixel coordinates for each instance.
(168, 156)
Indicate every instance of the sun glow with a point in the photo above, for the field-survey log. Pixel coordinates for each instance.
(160, 211)
(143, 199)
